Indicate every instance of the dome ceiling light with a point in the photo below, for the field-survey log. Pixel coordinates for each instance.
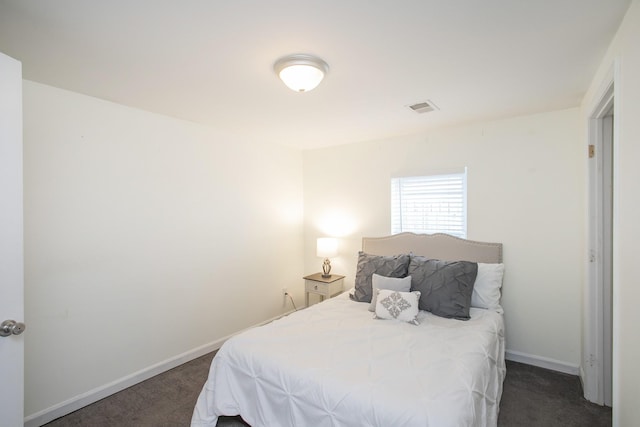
(301, 72)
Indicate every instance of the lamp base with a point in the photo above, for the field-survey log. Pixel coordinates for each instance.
(326, 269)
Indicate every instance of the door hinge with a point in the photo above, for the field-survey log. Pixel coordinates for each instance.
(592, 151)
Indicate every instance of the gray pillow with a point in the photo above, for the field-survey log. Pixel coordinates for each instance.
(445, 286)
(390, 283)
(389, 266)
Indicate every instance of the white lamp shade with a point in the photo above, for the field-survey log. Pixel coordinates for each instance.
(327, 247)
(301, 78)
(301, 72)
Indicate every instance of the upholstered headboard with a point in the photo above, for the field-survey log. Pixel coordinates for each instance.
(436, 246)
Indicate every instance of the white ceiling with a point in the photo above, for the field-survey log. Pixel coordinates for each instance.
(212, 61)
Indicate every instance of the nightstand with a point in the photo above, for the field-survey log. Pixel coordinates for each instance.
(325, 287)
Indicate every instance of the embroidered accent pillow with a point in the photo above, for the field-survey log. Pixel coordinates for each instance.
(390, 283)
(397, 305)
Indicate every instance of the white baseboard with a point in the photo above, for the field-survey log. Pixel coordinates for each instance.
(542, 362)
(63, 408)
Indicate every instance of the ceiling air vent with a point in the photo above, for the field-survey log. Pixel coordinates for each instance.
(424, 107)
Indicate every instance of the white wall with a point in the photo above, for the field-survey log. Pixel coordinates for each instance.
(525, 189)
(624, 56)
(145, 237)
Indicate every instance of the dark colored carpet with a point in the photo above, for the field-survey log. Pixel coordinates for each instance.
(539, 397)
(532, 397)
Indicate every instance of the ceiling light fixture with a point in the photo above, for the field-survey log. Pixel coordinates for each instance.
(301, 72)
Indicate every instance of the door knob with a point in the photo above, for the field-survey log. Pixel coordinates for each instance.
(9, 327)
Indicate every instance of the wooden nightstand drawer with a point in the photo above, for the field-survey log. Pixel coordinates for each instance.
(316, 287)
(326, 287)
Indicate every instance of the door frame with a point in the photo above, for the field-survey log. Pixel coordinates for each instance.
(597, 304)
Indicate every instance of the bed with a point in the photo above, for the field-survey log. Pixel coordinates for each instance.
(337, 363)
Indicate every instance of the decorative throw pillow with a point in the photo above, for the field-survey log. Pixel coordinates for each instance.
(397, 305)
(486, 290)
(445, 286)
(389, 266)
(391, 283)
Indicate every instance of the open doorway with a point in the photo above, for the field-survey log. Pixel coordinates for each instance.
(598, 319)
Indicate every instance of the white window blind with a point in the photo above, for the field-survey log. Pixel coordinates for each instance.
(430, 204)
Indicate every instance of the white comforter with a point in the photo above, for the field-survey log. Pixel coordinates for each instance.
(334, 365)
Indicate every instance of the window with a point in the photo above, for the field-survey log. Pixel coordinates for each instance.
(430, 204)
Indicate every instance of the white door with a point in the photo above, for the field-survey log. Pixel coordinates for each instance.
(11, 243)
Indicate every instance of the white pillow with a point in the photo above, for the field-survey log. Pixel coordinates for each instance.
(398, 305)
(391, 283)
(486, 289)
